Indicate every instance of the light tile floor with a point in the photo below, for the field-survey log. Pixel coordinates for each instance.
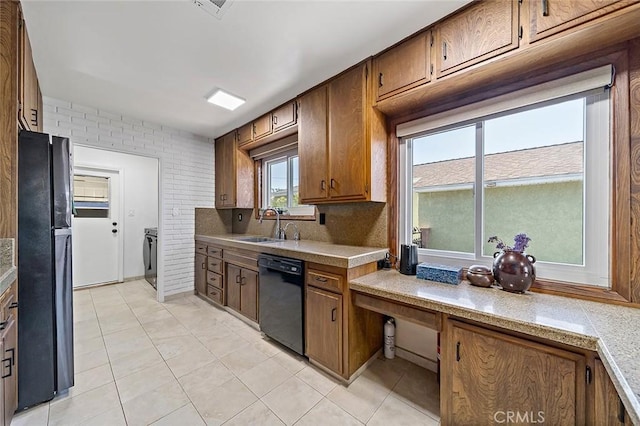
(186, 362)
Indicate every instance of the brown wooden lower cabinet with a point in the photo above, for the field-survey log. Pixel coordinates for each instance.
(242, 291)
(608, 408)
(201, 274)
(9, 354)
(324, 328)
(488, 376)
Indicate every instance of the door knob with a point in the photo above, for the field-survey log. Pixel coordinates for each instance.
(114, 231)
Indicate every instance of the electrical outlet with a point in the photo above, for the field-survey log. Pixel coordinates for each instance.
(322, 218)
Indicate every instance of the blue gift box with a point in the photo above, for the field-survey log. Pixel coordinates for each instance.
(441, 273)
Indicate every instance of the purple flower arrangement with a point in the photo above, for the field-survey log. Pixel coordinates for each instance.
(521, 242)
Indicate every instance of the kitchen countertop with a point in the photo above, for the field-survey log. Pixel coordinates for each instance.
(8, 271)
(310, 251)
(610, 330)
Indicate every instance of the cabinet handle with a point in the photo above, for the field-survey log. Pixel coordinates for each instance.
(321, 279)
(243, 280)
(13, 305)
(444, 50)
(204, 265)
(458, 351)
(34, 117)
(621, 411)
(380, 83)
(3, 325)
(545, 7)
(275, 120)
(254, 129)
(334, 311)
(333, 184)
(323, 184)
(12, 351)
(237, 279)
(6, 362)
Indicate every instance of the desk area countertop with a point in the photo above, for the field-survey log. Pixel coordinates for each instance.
(310, 251)
(610, 330)
(8, 271)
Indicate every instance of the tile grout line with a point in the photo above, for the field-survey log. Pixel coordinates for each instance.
(115, 384)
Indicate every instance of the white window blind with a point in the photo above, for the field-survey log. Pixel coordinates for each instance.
(596, 79)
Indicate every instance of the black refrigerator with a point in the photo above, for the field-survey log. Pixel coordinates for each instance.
(45, 290)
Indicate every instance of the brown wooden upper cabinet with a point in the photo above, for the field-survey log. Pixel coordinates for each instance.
(234, 174)
(262, 126)
(284, 116)
(342, 141)
(245, 134)
(479, 32)
(29, 96)
(548, 17)
(404, 66)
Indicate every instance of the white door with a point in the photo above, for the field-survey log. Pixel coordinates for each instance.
(97, 240)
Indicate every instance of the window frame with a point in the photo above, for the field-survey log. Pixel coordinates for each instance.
(262, 179)
(594, 271)
(624, 153)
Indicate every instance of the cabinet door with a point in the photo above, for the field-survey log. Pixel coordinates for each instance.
(347, 144)
(222, 170)
(312, 146)
(284, 116)
(201, 274)
(9, 368)
(486, 373)
(324, 328)
(482, 31)
(245, 134)
(404, 66)
(549, 17)
(29, 115)
(249, 294)
(262, 126)
(608, 408)
(233, 277)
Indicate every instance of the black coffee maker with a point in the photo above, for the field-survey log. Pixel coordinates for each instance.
(408, 259)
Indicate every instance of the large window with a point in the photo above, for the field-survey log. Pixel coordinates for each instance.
(280, 174)
(541, 169)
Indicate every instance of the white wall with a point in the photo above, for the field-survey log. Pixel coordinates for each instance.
(140, 198)
(186, 176)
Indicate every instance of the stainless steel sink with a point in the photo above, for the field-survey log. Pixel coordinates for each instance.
(257, 239)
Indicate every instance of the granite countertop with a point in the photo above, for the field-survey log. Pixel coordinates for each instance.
(8, 271)
(610, 330)
(310, 251)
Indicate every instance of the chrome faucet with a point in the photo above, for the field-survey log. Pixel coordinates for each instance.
(296, 234)
(279, 232)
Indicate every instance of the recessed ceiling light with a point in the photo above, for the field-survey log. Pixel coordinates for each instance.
(225, 100)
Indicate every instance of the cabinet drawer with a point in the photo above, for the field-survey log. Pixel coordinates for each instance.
(214, 265)
(215, 280)
(324, 280)
(9, 303)
(214, 251)
(201, 248)
(215, 294)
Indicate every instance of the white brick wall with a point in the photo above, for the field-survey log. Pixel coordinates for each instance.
(186, 175)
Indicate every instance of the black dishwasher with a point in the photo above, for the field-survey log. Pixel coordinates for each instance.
(282, 300)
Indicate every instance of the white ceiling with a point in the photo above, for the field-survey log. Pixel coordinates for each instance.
(157, 60)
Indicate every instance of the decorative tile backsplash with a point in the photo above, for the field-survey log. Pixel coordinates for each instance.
(357, 224)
